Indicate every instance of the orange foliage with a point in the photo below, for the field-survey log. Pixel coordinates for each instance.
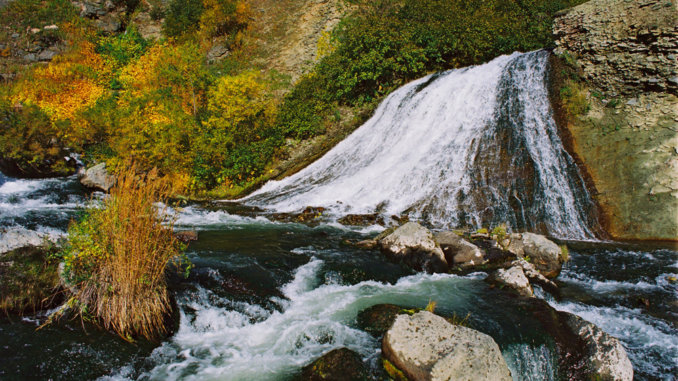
(69, 84)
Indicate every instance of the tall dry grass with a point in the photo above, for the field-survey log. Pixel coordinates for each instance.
(118, 255)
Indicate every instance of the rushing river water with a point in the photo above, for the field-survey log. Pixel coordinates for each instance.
(266, 298)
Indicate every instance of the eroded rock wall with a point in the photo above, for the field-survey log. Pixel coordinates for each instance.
(627, 139)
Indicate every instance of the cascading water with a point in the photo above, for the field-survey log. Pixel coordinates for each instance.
(472, 146)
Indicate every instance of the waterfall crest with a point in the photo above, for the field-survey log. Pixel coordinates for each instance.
(474, 146)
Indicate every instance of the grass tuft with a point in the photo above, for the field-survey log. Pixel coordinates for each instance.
(564, 253)
(117, 255)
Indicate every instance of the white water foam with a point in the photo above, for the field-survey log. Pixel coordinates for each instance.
(221, 339)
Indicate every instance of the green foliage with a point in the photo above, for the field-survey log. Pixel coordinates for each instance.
(393, 372)
(564, 253)
(120, 50)
(30, 139)
(303, 112)
(38, 13)
(183, 16)
(499, 231)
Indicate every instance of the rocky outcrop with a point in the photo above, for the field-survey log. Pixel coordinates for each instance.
(542, 252)
(426, 347)
(97, 177)
(624, 47)
(414, 245)
(337, 365)
(606, 357)
(625, 137)
(513, 278)
(459, 252)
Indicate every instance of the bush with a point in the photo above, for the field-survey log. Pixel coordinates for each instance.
(117, 255)
(182, 17)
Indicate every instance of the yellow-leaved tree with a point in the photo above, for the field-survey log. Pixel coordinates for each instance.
(161, 95)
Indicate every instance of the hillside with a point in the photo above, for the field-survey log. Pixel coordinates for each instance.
(221, 95)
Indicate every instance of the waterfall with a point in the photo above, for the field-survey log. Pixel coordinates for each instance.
(469, 147)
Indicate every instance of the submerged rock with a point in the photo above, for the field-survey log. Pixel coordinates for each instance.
(513, 278)
(340, 364)
(414, 245)
(426, 347)
(606, 357)
(459, 252)
(97, 177)
(362, 219)
(186, 236)
(309, 215)
(376, 320)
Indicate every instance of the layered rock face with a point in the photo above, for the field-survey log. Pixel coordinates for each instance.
(627, 139)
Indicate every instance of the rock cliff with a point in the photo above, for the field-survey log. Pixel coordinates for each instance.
(626, 136)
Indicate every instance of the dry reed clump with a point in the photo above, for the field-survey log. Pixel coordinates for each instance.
(117, 255)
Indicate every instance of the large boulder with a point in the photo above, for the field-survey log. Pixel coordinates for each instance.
(97, 177)
(606, 357)
(542, 252)
(513, 278)
(426, 347)
(414, 245)
(337, 365)
(459, 252)
(15, 238)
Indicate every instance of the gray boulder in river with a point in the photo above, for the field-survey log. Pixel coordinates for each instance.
(459, 252)
(414, 245)
(426, 347)
(543, 253)
(97, 177)
(606, 357)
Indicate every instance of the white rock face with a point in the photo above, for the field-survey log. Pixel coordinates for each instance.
(98, 178)
(426, 347)
(15, 238)
(607, 357)
(514, 278)
(414, 245)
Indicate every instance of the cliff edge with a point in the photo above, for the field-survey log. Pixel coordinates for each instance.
(620, 109)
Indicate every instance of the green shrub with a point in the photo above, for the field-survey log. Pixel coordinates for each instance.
(182, 16)
(119, 50)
